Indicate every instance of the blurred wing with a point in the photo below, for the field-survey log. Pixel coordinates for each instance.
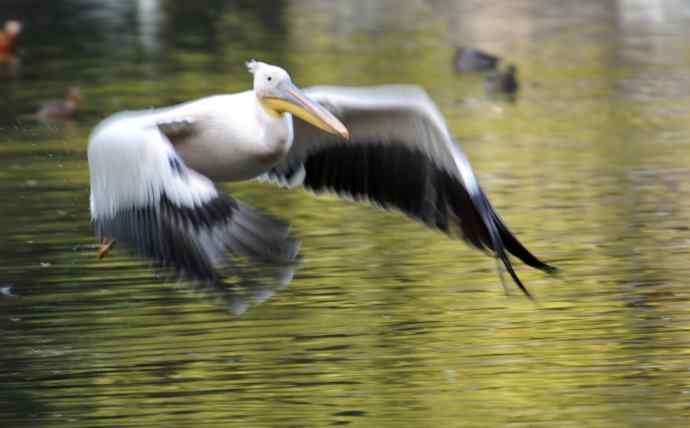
(143, 194)
(391, 114)
(401, 155)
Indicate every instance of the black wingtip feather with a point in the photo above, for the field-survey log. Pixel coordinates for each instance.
(393, 175)
(491, 223)
(195, 242)
(515, 247)
(509, 267)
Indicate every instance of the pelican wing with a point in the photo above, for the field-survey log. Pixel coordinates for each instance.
(402, 156)
(144, 195)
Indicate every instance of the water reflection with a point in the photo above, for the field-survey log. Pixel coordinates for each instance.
(149, 19)
(384, 323)
(249, 284)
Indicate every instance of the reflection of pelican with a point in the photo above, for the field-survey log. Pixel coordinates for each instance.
(251, 285)
(147, 188)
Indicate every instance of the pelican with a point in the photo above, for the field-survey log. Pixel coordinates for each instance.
(151, 171)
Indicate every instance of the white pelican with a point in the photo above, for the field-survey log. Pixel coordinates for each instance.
(149, 169)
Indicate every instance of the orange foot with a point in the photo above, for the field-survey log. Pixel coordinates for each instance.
(105, 248)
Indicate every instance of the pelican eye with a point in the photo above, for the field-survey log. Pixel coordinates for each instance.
(269, 78)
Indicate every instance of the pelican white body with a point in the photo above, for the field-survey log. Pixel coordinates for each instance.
(149, 169)
(229, 137)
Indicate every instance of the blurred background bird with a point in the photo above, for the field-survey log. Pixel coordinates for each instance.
(8, 40)
(60, 109)
(470, 60)
(500, 82)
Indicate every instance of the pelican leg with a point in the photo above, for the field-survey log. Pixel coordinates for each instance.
(105, 247)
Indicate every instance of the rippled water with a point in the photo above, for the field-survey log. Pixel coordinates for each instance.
(384, 323)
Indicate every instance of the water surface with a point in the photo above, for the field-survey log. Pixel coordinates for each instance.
(385, 323)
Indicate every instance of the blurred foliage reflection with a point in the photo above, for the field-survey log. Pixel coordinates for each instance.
(386, 323)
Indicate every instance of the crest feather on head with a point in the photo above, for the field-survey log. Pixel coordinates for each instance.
(252, 65)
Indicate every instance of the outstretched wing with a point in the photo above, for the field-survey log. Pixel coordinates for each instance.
(143, 194)
(402, 156)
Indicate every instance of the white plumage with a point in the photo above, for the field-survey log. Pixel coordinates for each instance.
(134, 161)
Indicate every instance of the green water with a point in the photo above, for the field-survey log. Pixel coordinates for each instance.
(385, 323)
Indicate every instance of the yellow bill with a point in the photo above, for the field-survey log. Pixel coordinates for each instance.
(288, 98)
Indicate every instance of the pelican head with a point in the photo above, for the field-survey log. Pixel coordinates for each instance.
(278, 95)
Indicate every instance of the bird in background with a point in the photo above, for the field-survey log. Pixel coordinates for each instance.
(502, 82)
(496, 81)
(57, 110)
(473, 60)
(151, 171)
(8, 41)
(61, 109)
